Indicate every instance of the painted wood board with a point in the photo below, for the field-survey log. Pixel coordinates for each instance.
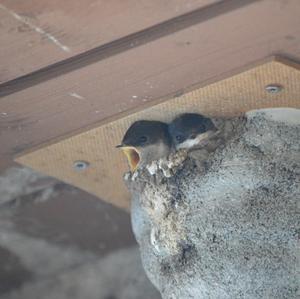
(36, 33)
(225, 98)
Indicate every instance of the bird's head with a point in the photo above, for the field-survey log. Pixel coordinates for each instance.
(142, 142)
(189, 129)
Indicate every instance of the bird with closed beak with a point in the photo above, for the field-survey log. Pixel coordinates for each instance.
(190, 130)
(144, 142)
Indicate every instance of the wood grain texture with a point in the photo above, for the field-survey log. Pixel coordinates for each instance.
(36, 33)
(121, 45)
(225, 98)
(145, 75)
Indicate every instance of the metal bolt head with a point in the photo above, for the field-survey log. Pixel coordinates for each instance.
(273, 88)
(81, 165)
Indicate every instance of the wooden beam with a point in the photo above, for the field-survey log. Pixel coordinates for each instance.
(38, 33)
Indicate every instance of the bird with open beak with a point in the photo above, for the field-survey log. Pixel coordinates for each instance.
(144, 142)
(190, 130)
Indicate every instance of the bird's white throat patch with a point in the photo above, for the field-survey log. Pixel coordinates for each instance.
(190, 143)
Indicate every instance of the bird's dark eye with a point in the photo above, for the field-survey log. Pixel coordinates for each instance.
(143, 139)
(193, 136)
(179, 138)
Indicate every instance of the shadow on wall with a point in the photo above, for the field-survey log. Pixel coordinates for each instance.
(59, 242)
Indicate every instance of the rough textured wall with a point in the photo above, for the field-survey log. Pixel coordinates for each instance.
(226, 224)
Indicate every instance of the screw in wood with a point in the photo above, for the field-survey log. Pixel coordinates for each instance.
(273, 88)
(80, 165)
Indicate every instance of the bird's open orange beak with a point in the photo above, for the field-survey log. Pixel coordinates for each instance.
(132, 155)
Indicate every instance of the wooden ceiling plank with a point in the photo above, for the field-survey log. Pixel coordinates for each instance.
(36, 33)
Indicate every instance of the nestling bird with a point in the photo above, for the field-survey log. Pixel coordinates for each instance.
(190, 129)
(146, 141)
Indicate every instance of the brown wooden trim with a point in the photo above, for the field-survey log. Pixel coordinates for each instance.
(284, 60)
(154, 102)
(121, 45)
